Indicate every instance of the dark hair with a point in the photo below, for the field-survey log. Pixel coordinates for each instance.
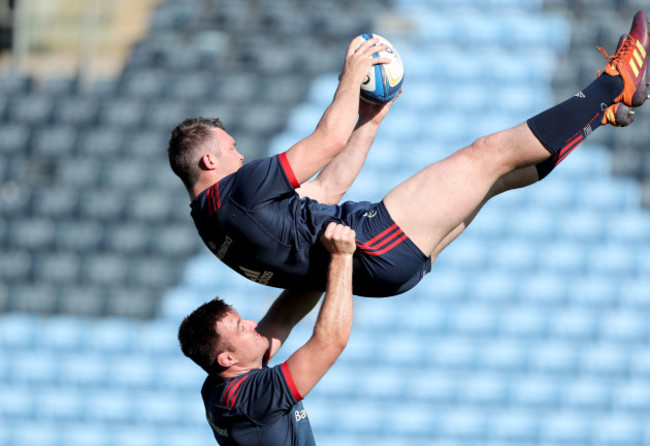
(198, 334)
(185, 147)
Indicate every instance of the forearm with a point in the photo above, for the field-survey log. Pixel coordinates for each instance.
(338, 176)
(290, 307)
(334, 323)
(339, 120)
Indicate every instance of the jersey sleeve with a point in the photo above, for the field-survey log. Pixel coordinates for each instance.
(262, 180)
(268, 393)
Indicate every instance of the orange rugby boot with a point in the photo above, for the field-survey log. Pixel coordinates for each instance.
(631, 62)
(618, 115)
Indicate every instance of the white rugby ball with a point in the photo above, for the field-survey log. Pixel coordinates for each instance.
(383, 81)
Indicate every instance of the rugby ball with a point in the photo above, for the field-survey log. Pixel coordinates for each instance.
(383, 81)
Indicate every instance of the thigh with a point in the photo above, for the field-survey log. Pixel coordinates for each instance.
(435, 201)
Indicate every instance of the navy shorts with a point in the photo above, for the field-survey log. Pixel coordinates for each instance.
(386, 261)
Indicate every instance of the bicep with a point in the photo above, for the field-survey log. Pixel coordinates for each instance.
(310, 363)
(309, 156)
(285, 312)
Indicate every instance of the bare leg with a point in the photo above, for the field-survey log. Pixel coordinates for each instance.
(436, 201)
(514, 180)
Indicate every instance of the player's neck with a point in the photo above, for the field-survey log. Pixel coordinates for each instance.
(205, 182)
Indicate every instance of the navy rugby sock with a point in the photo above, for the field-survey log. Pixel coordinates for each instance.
(563, 127)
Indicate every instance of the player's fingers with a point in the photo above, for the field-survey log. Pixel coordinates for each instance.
(379, 60)
(355, 45)
(330, 231)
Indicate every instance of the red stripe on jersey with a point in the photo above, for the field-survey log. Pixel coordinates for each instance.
(374, 239)
(230, 395)
(290, 383)
(288, 171)
(216, 195)
(212, 196)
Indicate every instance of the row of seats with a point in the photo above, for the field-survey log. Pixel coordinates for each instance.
(531, 320)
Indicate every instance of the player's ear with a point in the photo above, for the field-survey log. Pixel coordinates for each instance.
(226, 359)
(209, 161)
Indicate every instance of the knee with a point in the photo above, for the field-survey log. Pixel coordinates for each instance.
(492, 153)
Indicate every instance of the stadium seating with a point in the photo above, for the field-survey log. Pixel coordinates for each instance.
(530, 330)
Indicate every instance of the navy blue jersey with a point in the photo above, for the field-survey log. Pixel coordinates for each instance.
(259, 408)
(256, 223)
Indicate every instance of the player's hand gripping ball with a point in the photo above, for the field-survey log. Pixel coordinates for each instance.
(384, 81)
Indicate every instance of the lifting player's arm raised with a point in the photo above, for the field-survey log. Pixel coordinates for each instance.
(338, 175)
(332, 330)
(308, 156)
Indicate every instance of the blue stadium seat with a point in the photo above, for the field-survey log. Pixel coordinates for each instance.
(583, 226)
(473, 320)
(635, 293)
(555, 359)
(34, 369)
(605, 361)
(17, 402)
(55, 201)
(361, 417)
(111, 407)
(79, 235)
(607, 195)
(484, 390)
(129, 372)
(464, 424)
(420, 420)
(36, 433)
(61, 405)
(85, 369)
(157, 338)
(566, 427)
(587, 395)
(179, 374)
(15, 266)
(524, 322)
(503, 356)
(492, 286)
(432, 386)
(627, 327)
(532, 391)
(41, 298)
(509, 426)
(156, 408)
(64, 334)
(100, 142)
(594, 291)
(77, 111)
(129, 238)
(57, 268)
(112, 335)
(451, 353)
(34, 109)
(619, 430)
(86, 434)
(574, 324)
(15, 137)
(139, 435)
(629, 228)
(32, 233)
(122, 113)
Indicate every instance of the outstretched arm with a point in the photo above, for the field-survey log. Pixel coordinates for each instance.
(287, 310)
(310, 155)
(332, 330)
(336, 177)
